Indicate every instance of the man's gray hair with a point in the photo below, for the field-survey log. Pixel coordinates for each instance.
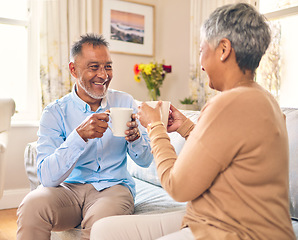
(92, 39)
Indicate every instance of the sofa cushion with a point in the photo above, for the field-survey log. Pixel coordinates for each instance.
(150, 174)
(292, 127)
(30, 164)
(151, 199)
(295, 227)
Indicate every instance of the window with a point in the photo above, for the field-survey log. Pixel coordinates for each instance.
(18, 57)
(277, 71)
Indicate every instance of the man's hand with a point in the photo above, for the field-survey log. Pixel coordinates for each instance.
(93, 126)
(133, 131)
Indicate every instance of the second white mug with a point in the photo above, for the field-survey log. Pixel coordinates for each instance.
(165, 109)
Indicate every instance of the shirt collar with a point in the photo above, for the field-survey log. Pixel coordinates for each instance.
(83, 105)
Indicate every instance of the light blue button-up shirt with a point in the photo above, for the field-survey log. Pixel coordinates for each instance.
(62, 155)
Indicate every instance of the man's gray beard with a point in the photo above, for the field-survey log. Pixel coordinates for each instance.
(94, 96)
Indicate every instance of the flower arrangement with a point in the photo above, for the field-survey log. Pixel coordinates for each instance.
(153, 75)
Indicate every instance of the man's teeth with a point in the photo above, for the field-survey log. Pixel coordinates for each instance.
(103, 83)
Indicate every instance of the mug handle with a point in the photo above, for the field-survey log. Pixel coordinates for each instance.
(110, 120)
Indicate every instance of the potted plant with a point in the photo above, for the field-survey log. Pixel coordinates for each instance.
(189, 103)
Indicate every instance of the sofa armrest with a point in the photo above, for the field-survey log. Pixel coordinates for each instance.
(30, 164)
(292, 128)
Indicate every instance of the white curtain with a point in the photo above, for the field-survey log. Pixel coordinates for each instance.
(61, 23)
(200, 10)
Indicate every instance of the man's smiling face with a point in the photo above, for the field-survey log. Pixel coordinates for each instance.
(93, 72)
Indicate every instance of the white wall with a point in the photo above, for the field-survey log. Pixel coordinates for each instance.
(172, 43)
(16, 183)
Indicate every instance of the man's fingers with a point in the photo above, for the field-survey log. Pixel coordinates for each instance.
(132, 134)
(102, 116)
(134, 117)
(132, 124)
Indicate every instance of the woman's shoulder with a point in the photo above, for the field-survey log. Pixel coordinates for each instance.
(252, 97)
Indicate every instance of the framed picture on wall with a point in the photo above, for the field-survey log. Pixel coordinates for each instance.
(128, 27)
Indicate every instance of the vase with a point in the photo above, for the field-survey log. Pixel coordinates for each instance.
(153, 94)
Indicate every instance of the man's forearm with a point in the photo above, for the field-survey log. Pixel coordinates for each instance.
(53, 167)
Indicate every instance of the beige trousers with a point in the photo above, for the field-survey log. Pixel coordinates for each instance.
(64, 207)
(165, 226)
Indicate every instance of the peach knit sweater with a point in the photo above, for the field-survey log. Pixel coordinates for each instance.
(233, 168)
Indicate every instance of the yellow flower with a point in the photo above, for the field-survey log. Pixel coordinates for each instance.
(141, 66)
(148, 69)
(137, 78)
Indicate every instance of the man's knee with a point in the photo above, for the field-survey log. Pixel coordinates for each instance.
(34, 206)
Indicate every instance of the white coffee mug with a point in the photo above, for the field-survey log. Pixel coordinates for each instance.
(119, 118)
(165, 109)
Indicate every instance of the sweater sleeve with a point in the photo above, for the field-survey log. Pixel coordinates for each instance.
(185, 129)
(176, 173)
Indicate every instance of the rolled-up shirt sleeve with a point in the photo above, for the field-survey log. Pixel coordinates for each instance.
(140, 150)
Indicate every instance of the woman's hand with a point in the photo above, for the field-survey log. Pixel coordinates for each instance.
(176, 118)
(148, 114)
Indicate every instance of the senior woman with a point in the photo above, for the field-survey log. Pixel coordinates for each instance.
(233, 169)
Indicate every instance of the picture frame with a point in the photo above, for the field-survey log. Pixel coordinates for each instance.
(128, 27)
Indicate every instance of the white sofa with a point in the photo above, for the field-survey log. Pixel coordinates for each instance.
(7, 109)
(151, 198)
